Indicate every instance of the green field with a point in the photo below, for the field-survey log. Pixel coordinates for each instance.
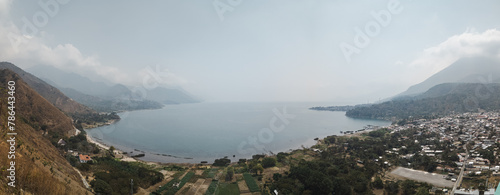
(252, 185)
(227, 189)
(186, 179)
(211, 188)
(169, 188)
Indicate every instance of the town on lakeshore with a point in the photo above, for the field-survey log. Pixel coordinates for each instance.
(455, 154)
(230, 97)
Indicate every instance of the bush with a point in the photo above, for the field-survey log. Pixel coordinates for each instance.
(378, 183)
(330, 139)
(378, 133)
(281, 156)
(118, 174)
(101, 187)
(268, 162)
(221, 162)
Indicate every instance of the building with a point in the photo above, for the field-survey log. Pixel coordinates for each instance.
(61, 142)
(84, 158)
(474, 192)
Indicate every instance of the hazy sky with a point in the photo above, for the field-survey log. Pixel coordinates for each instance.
(252, 50)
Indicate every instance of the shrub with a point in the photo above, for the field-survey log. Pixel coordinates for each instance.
(268, 162)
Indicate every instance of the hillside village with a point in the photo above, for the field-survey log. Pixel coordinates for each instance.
(472, 137)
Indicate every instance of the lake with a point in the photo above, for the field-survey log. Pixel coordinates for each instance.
(207, 131)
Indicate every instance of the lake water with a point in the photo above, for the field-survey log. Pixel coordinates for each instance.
(207, 131)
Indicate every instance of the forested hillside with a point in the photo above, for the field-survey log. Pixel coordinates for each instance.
(439, 100)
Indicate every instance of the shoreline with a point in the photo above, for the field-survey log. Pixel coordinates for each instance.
(103, 146)
(119, 153)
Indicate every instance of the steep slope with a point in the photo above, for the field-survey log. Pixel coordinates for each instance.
(52, 94)
(466, 70)
(40, 169)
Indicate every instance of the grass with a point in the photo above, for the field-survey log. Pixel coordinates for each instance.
(227, 189)
(252, 185)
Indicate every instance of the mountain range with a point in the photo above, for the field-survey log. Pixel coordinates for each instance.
(43, 117)
(50, 93)
(105, 96)
(464, 70)
(467, 85)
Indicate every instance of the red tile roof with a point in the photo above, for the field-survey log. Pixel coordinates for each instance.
(85, 157)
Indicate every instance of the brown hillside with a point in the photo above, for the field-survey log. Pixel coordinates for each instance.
(40, 169)
(52, 94)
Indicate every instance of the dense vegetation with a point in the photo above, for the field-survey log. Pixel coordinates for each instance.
(114, 177)
(221, 162)
(93, 118)
(354, 165)
(438, 101)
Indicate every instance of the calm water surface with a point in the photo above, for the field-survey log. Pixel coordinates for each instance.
(206, 131)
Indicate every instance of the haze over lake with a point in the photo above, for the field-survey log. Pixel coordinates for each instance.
(206, 131)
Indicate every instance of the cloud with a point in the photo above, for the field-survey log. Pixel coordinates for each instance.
(158, 76)
(26, 50)
(468, 44)
(4, 7)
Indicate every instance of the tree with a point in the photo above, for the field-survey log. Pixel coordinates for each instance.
(230, 174)
(330, 139)
(422, 191)
(277, 176)
(391, 187)
(431, 167)
(268, 162)
(259, 168)
(378, 183)
(281, 157)
(111, 149)
(221, 162)
(101, 187)
(408, 187)
(96, 150)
